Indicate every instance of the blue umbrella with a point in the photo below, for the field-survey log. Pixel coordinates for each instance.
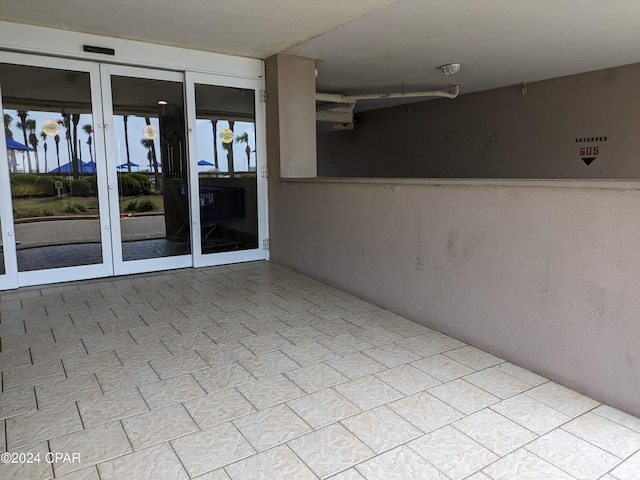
(158, 164)
(128, 164)
(13, 145)
(84, 167)
(204, 163)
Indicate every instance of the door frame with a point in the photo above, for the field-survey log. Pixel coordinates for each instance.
(120, 266)
(8, 278)
(64, 51)
(62, 274)
(221, 258)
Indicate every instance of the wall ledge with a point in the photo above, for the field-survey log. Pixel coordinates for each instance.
(596, 184)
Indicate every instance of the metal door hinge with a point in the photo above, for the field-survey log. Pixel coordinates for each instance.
(263, 95)
(265, 244)
(264, 172)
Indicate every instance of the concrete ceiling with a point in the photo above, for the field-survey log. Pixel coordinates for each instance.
(367, 46)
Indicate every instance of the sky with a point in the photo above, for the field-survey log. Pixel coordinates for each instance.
(138, 153)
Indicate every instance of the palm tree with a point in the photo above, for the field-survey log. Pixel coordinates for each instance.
(88, 129)
(214, 126)
(65, 121)
(33, 141)
(153, 159)
(244, 138)
(126, 141)
(148, 144)
(77, 170)
(229, 148)
(8, 120)
(57, 140)
(23, 114)
(44, 140)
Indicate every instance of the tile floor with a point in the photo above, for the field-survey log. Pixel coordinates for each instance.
(253, 371)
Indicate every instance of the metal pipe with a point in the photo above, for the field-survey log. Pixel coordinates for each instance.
(337, 98)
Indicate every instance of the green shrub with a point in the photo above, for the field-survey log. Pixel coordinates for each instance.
(23, 189)
(143, 180)
(45, 186)
(74, 207)
(80, 188)
(145, 205)
(130, 205)
(129, 186)
(93, 180)
(32, 212)
(23, 178)
(135, 205)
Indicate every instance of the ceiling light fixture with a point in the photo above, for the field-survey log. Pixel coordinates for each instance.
(450, 68)
(162, 102)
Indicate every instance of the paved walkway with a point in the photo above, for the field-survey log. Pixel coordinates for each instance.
(63, 232)
(73, 242)
(253, 371)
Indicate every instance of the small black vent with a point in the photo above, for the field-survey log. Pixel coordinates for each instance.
(102, 50)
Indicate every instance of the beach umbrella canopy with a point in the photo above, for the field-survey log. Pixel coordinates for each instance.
(85, 167)
(13, 145)
(204, 163)
(128, 164)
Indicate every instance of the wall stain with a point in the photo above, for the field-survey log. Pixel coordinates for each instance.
(448, 153)
(492, 140)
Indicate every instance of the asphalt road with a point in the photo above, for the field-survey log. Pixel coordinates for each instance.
(62, 232)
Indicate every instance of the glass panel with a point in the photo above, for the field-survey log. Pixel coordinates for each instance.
(149, 131)
(226, 163)
(49, 130)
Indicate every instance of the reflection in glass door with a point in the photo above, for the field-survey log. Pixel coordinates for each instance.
(148, 169)
(53, 169)
(225, 123)
(101, 176)
(8, 272)
(225, 154)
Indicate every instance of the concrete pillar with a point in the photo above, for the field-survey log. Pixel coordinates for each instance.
(291, 116)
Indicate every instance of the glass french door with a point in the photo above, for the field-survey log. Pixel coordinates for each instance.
(54, 219)
(8, 265)
(111, 170)
(147, 169)
(227, 142)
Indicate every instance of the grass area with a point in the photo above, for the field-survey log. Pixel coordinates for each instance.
(59, 206)
(55, 204)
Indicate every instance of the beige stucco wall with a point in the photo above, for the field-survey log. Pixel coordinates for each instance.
(291, 126)
(543, 274)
